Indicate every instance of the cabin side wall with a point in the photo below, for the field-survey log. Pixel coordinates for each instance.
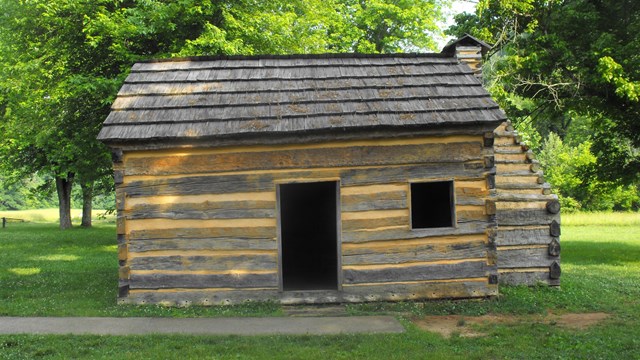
(199, 225)
(527, 213)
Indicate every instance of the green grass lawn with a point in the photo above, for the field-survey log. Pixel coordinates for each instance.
(48, 272)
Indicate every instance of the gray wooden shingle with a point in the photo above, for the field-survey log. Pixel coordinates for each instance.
(212, 97)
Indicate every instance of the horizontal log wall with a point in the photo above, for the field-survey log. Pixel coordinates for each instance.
(527, 237)
(199, 225)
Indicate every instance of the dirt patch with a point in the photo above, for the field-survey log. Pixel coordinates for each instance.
(581, 321)
(464, 325)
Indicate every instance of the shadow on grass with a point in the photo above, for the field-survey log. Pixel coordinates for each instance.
(602, 253)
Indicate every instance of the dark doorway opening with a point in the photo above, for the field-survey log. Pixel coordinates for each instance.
(309, 236)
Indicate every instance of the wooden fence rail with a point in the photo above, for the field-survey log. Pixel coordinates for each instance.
(5, 220)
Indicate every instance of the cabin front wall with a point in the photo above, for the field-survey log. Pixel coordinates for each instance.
(200, 225)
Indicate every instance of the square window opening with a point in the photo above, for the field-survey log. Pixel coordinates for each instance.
(432, 205)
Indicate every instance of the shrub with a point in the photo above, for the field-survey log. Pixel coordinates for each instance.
(566, 169)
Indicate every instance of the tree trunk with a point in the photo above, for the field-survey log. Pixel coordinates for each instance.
(63, 186)
(87, 198)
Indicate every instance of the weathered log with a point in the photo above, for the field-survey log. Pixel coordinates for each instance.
(141, 246)
(117, 155)
(204, 233)
(528, 278)
(123, 252)
(507, 217)
(554, 270)
(375, 201)
(386, 175)
(490, 207)
(417, 253)
(120, 199)
(554, 229)
(180, 209)
(475, 227)
(252, 262)
(374, 223)
(123, 291)
(312, 137)
(124, 272)
(471, 215)
(462, 270)
(507, 150)
(224, 184)
(220, 213)
(553, 206)
(504, 134)
(489, 162)
(118, 177)
(488, 139)
(491, 235)
(524, 258)
(491, 181)
(501, 141)
(204, 297)
(554, 247)
(524, 197)
(120, 221)
(306, 158)
(519, 186)
(523, 236)
(535, 166)
(469, 200)
(530, 155)
(415, 291)
(199, 281)
(506, 158)
(350, 293)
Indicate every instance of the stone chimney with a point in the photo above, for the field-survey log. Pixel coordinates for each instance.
(468, 50)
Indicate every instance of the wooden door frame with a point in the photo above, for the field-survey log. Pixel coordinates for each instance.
(339, 277)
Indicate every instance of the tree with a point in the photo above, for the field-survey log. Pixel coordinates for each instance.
(567, 67)
(383, 26)
(56, 93)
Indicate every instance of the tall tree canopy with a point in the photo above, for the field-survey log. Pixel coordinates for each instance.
(571, 67)
(62, 61)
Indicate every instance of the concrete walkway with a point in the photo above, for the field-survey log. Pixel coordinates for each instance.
(200, 326)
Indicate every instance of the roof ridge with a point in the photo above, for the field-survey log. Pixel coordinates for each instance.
(298, 56)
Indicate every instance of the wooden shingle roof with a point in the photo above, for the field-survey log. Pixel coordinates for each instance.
(200, 98)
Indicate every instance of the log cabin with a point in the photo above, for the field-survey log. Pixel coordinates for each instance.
(323, 179)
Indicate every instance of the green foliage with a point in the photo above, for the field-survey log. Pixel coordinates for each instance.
(529, 134)
(382, 26)
(57, 91)
(562, 165)
(187, 28)
(565, 167)
(614, 74)
(30, 193)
